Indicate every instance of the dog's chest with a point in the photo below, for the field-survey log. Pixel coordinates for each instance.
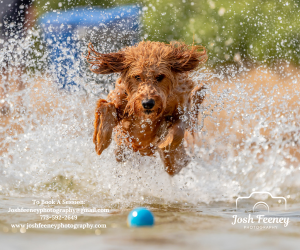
(143, 134)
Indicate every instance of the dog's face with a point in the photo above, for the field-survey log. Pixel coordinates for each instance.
(148, 88)
(149, 71)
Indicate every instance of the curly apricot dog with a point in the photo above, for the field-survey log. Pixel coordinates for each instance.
(153, 100)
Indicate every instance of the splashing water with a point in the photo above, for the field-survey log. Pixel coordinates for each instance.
(248, 141)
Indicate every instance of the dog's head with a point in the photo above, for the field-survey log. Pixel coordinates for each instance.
(149, 71)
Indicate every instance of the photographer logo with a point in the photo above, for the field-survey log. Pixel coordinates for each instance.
(263, 214)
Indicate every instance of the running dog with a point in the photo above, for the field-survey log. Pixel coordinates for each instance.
(154, 101)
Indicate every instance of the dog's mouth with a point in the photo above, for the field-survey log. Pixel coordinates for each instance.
(157, 113)
(148, 112)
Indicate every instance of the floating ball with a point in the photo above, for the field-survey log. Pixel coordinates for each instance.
(140, 217)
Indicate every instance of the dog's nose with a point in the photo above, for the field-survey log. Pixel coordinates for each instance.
(148, 104)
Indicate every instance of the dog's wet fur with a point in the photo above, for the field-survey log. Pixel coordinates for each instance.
(151, 96)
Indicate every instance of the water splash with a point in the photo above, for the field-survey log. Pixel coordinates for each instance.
(248, 141)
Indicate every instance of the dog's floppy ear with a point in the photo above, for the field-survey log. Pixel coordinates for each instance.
(186, 58)
(105, 63)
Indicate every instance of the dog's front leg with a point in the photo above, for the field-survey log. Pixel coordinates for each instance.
(172, 151)
(105, 121)
(175, 159)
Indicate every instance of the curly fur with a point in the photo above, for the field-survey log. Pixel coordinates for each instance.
(149, 70)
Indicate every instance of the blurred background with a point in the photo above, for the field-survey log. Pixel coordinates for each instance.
(257, 30)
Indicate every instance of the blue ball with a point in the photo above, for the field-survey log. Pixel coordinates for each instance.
(140, 217)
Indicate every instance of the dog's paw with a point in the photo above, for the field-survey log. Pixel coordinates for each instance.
(174, 137)
(105, 121)
(175, 160)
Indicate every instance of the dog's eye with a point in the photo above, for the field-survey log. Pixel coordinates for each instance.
(138, 78)
(159, 78)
